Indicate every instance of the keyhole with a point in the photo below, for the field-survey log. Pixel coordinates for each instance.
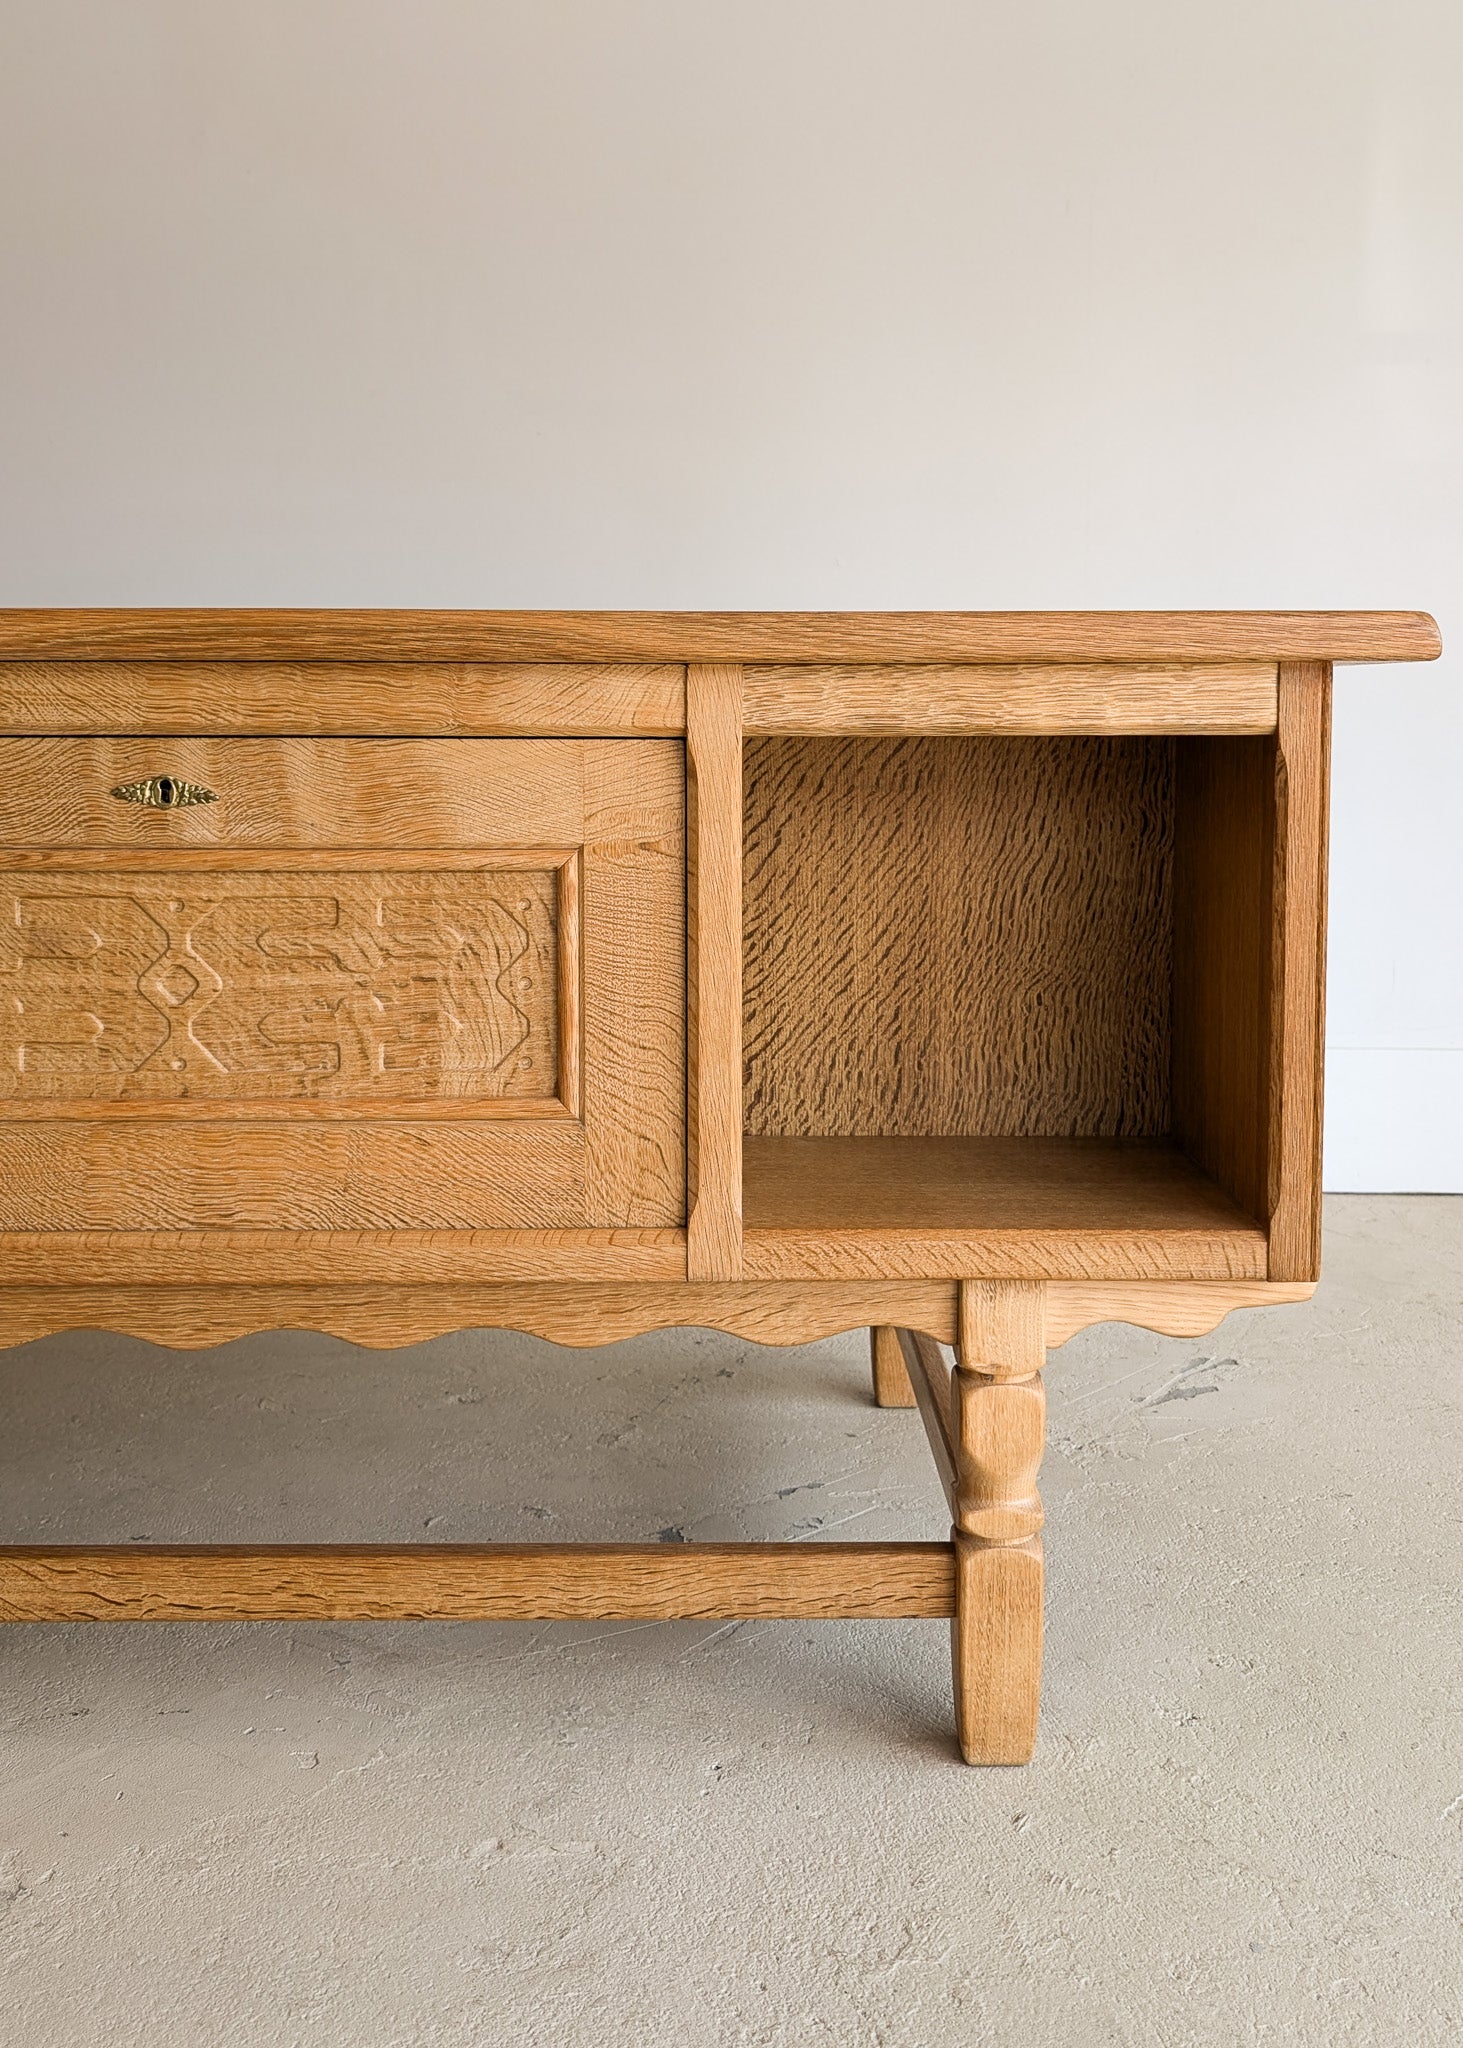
(167, 791)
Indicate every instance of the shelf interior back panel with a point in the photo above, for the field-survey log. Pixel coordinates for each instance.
(958, 937)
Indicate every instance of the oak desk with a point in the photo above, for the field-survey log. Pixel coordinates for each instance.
(954, 975)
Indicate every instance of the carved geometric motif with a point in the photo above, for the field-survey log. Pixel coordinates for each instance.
(347, 987)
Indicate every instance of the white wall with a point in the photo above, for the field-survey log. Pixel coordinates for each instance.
(860, 303)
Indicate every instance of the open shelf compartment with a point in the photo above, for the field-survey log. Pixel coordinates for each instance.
(1007, 1005)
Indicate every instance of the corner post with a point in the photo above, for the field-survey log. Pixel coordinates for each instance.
(1298, 967)
(998, 1416)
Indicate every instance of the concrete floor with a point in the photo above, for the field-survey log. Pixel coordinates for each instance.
(1244, 1823)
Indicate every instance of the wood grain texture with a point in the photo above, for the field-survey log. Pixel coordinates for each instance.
(1000, 1437)
(996, 1648)
(929, 1380)
(1002, 1328)
(714, 1001)
(350, 991)
(179, 861)
(280, 1258)
(358, 1175)
(568, 971)
(886, 1364)
(1298, 970)
(957, 937)
(1217, 697)
(377, 1175)
(998, 1426)
(989, 1207)
(1005, 1254)
(300, 792)
(633, 993)
(568, 636)
(389, 1314)
(315, 699)
(1223, 839)
(1175, 1308)
(477, 1582)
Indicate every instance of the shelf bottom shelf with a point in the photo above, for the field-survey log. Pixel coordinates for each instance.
(989, 1208)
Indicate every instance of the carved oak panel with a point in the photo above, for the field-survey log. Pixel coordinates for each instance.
(389, 987)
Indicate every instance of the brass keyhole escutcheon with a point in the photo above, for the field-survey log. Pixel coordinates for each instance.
(164, 793)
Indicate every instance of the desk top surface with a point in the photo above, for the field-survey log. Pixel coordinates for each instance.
(574, 636)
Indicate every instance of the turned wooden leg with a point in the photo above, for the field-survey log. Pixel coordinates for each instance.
(891, 1381)
(998, 1430)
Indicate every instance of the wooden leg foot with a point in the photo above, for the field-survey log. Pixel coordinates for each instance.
(995, 1642)
(892, 1387)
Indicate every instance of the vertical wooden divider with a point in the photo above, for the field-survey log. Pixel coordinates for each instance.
(714, 970)
(1298, 968)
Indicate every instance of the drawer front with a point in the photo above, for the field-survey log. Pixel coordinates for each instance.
(341, 984)
(307, 793)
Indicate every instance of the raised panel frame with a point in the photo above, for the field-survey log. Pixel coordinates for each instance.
(159, 875)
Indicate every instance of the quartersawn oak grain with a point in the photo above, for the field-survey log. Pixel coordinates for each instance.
(713, 997)
(477, 1582)
(930, 1390)
(310, 793)
(1298, 970)
(632, 990)
(389, 1313)
(1006, 1254)
(324, 1176)
(348, 992)
(1218, 697)
(1222, 889)
(989, 1208)
(887, 1369)
(957, 937)
(224, 1257)
(996, 1648)
(286, 636)
(998, 1416)
(314, 699)
(1176, 1308)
